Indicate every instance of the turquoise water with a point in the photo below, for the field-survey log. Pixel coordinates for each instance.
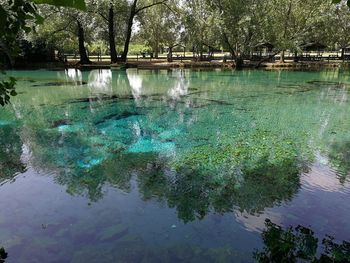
(174, 166)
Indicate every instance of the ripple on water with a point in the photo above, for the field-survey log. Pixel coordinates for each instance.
(324, 178)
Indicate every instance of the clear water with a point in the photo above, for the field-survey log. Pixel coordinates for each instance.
(171, 166)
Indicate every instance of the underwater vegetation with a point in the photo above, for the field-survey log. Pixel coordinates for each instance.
(255, 171)
(179, 167)
(225, 154)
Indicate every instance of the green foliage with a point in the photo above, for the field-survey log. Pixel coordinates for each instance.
(137, 49)
(339, 1)
(244, 152)
(98, 47)
(78, 4)
(15, 17)
(236, 173)
(7, 89)
(163, 22)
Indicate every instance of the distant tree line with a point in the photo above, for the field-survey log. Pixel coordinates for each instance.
(199, 26)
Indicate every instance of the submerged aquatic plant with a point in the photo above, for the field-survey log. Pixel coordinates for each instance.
(252, 173)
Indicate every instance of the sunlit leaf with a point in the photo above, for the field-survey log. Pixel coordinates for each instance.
(78, 4)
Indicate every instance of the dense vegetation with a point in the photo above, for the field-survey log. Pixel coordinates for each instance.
(200, 26)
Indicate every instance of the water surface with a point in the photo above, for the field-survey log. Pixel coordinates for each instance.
(170, 166)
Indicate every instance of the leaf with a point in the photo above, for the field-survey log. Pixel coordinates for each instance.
(78, 4)
(3, 19)
(39, 19)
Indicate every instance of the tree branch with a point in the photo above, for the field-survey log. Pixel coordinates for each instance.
(148, 6)
(103, 16)
(64, 28)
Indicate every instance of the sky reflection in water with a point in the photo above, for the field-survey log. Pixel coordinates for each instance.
(170, 165)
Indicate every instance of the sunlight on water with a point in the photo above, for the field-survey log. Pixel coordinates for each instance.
(170, 166)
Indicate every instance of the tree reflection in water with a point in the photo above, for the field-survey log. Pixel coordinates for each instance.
(239, 151)
(10, 152)
(3, 255)
(299, 244)
(88, 146)
(244, 167)
(339, 157)
(249, 176)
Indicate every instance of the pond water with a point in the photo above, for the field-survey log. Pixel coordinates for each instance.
(175, 166)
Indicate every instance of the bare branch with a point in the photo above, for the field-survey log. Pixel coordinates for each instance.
(103, 16)
(64, 28)
(148, 6)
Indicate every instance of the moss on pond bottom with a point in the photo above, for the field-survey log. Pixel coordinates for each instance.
(251, 173)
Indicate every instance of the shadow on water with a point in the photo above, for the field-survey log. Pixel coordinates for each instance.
(299, 244)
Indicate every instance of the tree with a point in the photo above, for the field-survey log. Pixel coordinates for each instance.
(113, 18)
(201, 27)
(160, 27)
(76, 25)
(17, 16)
(134, 10)
(240, 25)
(84, 59)
(291, 21)
(338, 27)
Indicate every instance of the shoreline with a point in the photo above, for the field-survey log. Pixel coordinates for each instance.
(159, 65)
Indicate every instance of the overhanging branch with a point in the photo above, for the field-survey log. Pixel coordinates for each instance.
(148, 6)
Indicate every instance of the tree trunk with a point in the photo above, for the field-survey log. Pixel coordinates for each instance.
(84, 59)
(296, 59)
(170, 54)
(239, 62)
(282, 57)
(129, 31)
(156, 51)
(232, 51)
(343, 54)
(114, 55)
